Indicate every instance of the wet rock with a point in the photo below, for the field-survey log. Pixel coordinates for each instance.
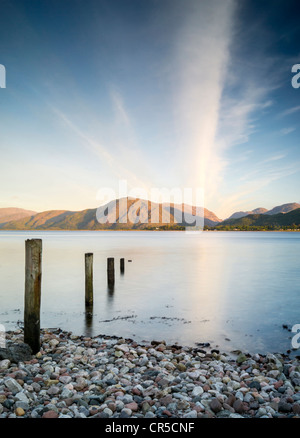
(16, 353)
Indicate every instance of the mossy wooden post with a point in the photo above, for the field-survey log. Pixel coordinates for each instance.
(33, 281)
(89, 280)
(111, 271)
(122, 266)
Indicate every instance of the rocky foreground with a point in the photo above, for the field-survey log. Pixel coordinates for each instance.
(105, 377)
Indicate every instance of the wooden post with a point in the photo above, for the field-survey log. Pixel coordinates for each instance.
(122, 266)
(111, 271)
(33, 281)
(89, 280)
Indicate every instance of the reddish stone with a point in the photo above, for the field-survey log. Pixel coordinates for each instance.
(230, 400)
(68, 401)
(238, 406)
(168, 413)
(136, 391)
(37, 379)
(50, 414)
(133, 406)
(278, 384)
(215, 405)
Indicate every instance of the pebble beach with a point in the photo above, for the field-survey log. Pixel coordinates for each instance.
(108, 377)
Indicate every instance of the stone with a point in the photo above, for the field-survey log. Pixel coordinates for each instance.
(255, 385)
(4, 364)
(50, 414)
(22, 397)
(108, 411)
(198, 390)
(191, 414)
(123, 347)
(13, 385)
(241, 358)
(54, 342)
(65, 379)
(133, 406)
(126, 413)
(53, 390)
(181, 367)
(16, 353)
(296, 408)
(284, 406)
(23, 405)
(215, 405)
(238, 406)
(19, 412)
(149, 414)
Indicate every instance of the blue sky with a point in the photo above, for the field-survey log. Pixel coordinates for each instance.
(160, 93)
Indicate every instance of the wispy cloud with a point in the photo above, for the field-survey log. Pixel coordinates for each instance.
(286, 131)
(273, 158)
(290, 111)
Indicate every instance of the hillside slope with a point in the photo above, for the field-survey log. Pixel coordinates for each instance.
(13, 214)
(134, 214)
(272, 221)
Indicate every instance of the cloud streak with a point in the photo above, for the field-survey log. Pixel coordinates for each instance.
(203, 55)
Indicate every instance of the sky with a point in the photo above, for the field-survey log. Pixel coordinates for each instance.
(186, 94)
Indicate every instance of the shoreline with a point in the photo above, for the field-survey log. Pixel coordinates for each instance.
(110, 377)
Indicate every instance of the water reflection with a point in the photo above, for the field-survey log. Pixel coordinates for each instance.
(89, 319)
(213, 287)
(110, 292)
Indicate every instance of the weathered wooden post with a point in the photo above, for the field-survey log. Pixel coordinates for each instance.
(89, 281)
(33, 281)
(111, 271)
(122, 266)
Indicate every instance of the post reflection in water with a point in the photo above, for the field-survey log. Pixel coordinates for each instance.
(89, 320)
(110, 293)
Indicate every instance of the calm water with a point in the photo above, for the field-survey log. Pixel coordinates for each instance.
(232, 289)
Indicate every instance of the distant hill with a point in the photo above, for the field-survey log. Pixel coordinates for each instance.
(285, 208)
(268, 221)
(13, 214)
(158, 215)
(239, 214)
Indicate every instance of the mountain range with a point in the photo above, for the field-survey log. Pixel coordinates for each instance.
(273, 221)
(285, 208)
(146, 215)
